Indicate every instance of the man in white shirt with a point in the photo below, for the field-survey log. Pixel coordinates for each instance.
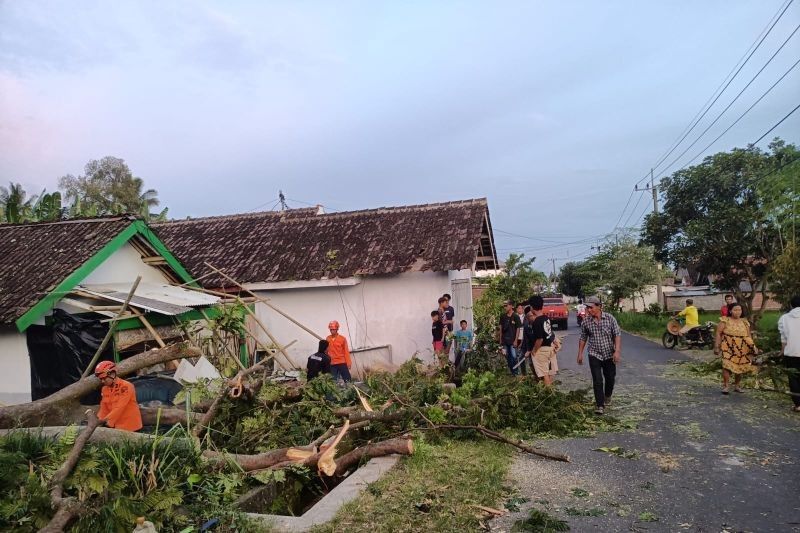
(789, 328)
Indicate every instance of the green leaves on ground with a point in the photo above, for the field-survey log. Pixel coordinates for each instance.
(540, 522)
(618, 451)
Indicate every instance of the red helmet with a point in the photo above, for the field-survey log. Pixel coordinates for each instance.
(333, 324)
(104, 367)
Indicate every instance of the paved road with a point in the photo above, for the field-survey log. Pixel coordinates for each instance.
(698, 460)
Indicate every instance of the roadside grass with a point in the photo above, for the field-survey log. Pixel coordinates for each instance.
(436, 489)
(653, 327)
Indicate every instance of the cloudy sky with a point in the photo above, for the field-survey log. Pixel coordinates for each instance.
(551, 110)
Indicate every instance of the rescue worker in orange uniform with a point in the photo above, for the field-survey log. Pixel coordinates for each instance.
(339, 353)
(118, 407)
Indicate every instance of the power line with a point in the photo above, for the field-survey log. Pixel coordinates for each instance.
(709, 145)
(707, 107)
(719, 116)
(789, 114)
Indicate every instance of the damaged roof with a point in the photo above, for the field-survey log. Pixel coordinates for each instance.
(41, 262)
(35, 258)
(304, 244)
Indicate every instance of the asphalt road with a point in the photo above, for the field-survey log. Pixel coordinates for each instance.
(697, 460)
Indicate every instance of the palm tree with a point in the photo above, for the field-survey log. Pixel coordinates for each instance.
(15, 208)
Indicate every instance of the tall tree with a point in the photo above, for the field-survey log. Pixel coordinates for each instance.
(108, 187)
(724, 217)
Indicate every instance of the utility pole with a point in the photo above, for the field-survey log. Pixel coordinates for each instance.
(652, 188)
(554, 271)
(282, 200)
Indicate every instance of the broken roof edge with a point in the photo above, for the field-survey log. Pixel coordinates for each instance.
(136, 227)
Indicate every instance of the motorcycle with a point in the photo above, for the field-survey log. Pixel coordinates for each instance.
(580, 311)
(700, 337)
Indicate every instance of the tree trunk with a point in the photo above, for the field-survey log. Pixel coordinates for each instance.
(63, 406)
(399, 446)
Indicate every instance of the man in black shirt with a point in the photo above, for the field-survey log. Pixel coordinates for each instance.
(509, 324)
(540, 342)
(320, 362)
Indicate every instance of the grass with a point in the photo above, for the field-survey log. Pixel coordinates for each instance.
(436, 489)
(653, 327)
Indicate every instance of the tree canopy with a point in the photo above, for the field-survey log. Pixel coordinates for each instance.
(108, 187)
(729, 217)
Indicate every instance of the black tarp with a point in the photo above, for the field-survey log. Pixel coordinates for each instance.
(60, 352)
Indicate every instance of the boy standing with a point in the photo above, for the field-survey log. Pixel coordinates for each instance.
(320, 362)
(437, 330)
(509, 324)
(540, 342)
(446, 315)
(463, 342)
(339, 353)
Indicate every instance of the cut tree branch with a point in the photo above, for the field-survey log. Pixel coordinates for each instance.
(63, 407)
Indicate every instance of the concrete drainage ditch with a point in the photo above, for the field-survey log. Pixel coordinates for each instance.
(326, 508)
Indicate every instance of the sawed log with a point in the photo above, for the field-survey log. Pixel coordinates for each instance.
(62, 407)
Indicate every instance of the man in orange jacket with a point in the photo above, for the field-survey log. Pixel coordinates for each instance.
(118, 407)
(339, 353)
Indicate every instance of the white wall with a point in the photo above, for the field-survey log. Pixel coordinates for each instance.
(379, 310)
(123, 266)
(15, 369)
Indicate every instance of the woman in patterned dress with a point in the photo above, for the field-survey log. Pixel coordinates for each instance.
(736, 345)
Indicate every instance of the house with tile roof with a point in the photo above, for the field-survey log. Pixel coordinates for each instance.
(57, 280)
(379, 272)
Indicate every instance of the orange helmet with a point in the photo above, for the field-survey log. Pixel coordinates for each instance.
(103, 368)
(333, 324)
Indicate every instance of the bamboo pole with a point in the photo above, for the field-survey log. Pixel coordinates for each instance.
(264, 301)
(110, 332)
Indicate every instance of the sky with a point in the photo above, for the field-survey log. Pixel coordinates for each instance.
(551, 110)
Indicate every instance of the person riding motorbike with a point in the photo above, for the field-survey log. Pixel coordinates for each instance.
(692, 317)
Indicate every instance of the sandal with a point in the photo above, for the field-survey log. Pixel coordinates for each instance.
(724, 390)
(796, 408)
(739, 389)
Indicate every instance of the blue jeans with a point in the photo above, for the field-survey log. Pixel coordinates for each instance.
(340, 371)
(511, 358)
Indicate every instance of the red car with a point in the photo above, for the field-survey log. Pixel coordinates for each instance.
(556, 310)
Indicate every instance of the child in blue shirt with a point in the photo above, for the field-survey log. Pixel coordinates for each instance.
(463, 342)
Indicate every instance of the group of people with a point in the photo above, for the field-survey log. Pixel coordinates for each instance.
(526, 334)
(734, 343)
(332, 357)
(445, 336)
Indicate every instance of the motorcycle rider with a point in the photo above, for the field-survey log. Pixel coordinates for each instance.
(692, 317)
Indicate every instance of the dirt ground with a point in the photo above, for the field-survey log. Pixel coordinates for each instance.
(697, 460)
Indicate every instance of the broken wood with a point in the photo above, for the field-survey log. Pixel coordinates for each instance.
(61, 406)
(236, 381)
(325, 462)
(68, 508)
(110, 332)
(400, 446)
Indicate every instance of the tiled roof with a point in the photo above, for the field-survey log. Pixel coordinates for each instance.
(300, 244)
(35, 258)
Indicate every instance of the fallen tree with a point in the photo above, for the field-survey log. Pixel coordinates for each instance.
(63, 407)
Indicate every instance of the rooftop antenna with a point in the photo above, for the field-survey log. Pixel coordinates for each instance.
(282, 200)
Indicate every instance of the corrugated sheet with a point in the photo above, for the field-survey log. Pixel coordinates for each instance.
(161, 298)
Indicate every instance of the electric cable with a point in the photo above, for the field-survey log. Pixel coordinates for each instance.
(737, 68)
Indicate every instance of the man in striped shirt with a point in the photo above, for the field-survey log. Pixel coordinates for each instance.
(601, 334)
